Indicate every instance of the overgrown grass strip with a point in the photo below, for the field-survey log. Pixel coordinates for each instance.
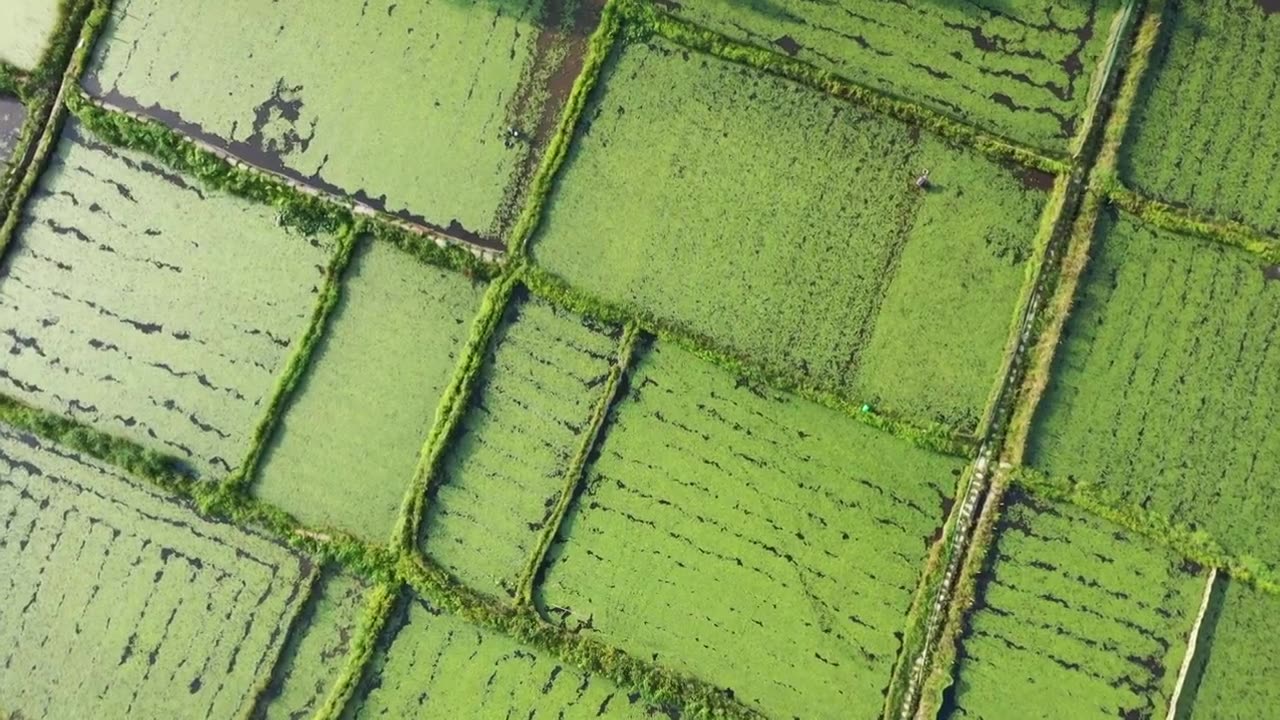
(377, 609)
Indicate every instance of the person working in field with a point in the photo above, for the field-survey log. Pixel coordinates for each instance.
(922, 182)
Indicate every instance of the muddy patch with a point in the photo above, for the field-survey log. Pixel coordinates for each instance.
(1269, 7)
(1271, 273)
(1035, 179)
(12, 115)
(788, 45)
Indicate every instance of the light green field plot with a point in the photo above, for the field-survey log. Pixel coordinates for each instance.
(1021, 69)
(1205, 131)
(25, 27)
(116, 602)
(148, 307)
(406, 105)
(754, 540)
(1075, 619)
(1237, 659)
(544, 374)
(316, 650)
(1166, 389)
(785, 226)
(349, 440)
(433, 665)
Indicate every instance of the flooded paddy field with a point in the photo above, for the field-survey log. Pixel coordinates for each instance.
(752, 539)
(118, 602)
(349, 439)
(1166, 390)
(1020, 69)
(544, 374)
(25, 27)
(12, 116)
(434, 665)
(785, 225)
(141, 304)
(1237, 657)
(1074, 619)
(408, 107)
(1205, 131)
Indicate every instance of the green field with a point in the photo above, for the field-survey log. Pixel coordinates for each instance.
(316, 650)
(349, 440)
(1206, 132)
(1075, 618)
(1166, 389)
(505, 469)
(1022, 69)
(25, 27)
(784, 225)
(1238, 658)
(118, 602)
(433, 665)
(151, 308)
(777, 543)
(402, 105)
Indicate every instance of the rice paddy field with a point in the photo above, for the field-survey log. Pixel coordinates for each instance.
(1206, 134)
(546, 371)
(1075, 618)
(349, 441)
(405, 106)
(791, 233)
(25, 27)
(1238, 650)
(777, 543)
(1023, 69)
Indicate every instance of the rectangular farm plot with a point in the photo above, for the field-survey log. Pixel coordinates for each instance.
(1166, 390)
(407, 106)
(785, 226)
(118, 602)
(151, 308)
(25, 27)
(1019, 69)
(434, 665)
(755, 540)
(349, 440)
(1205, 132)
(1237, 658)
(1075, 618)
(543, 378)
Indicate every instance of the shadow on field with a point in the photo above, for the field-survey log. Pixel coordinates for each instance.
(774, 8)
(1204, 648)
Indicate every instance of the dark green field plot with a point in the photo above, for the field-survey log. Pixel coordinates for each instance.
(785, 226)
(25, 27)
(758, 541)
(148, 307)
(316, 650)
(1166, 390)
(116, 602)
(1205, 132)
(1238, 660)
(1074, 619)
(12, 115)
(543, 376)
(349, 441)
(1020, 69)
(433, 665)
(407, 106)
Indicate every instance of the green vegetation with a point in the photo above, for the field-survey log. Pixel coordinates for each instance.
(1232, 676)
(340, 94)
(316, 649)
(101, 573)
(434, 665)
(25, 29)
(1166, 389)
(1205, 133)
(346, 447)
(1074, 618)
(505, 468)
(1023, 70)
(779, 543)
(805, 262)
(145, 306)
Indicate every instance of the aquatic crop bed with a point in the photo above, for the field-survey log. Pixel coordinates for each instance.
(408, 107)
(349, 439)
(1166, 390)
(758, 541)
(505, 470)
(12, 115)
(1022, 70)
(1074, 618)
(784, 226)
(136, 302)
(25, 27)
(1237, 659)
(1205, 132)
(434, 665)
(118, 602)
